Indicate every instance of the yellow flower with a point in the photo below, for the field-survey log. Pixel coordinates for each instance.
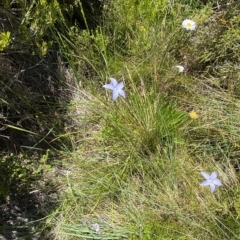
(193, 115)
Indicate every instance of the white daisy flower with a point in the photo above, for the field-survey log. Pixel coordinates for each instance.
(178, 68)
(189, 24)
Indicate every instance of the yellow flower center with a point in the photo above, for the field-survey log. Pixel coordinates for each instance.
(189, 24)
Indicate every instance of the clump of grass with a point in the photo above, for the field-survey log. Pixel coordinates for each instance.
(145, 123)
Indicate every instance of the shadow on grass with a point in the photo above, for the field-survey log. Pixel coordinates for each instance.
(21, 212)
(33, 99)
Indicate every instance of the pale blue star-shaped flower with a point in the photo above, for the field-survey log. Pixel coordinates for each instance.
(116, 88)
(211, 180)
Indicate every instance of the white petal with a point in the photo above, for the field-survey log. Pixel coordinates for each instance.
(205, 183)
(95, 227)
(115, 94)
(213, 175)
(108, 86)
(122, 93)
(217, 182)
(114, 82)
(184, 23)
(212, 186)
(178, 68)
(206, 175)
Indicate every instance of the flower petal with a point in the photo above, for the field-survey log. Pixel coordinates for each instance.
(108, 86)
(212, 186)
(205, 183)
(217, 182)
(115, 94)
(120, 85)
(213, 175)
(178, 68)
(206, 175)
(122, 93)
(95, 227)
(114, 82)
